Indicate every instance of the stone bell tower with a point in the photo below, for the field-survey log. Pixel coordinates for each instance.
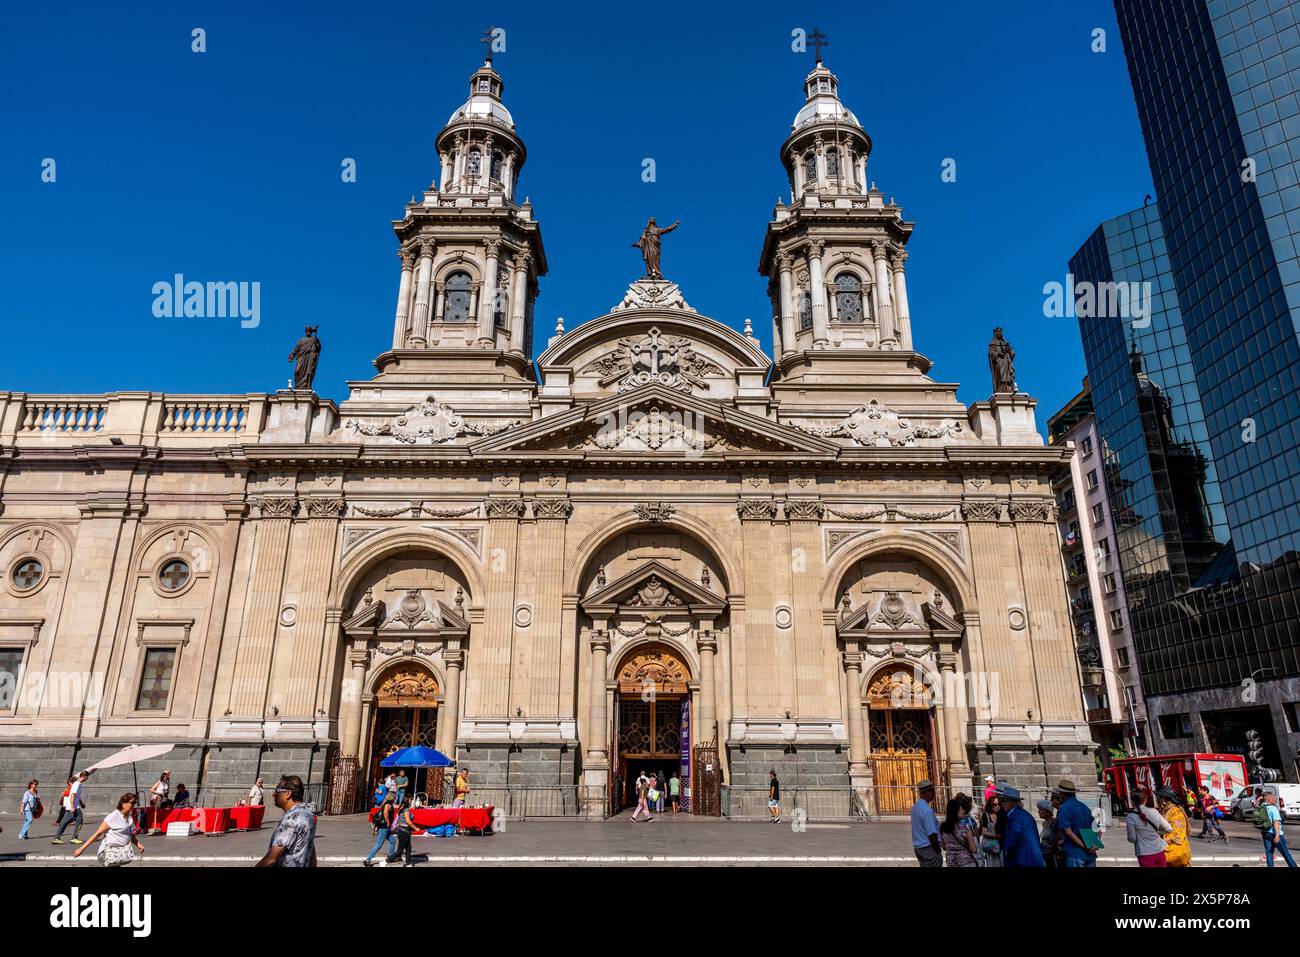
(834, 257)
(471, 254)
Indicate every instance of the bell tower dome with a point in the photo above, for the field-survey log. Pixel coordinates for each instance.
(471, 254)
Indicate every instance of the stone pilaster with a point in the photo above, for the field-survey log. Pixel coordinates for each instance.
(821, 334)
(272, 518)
(402, 317)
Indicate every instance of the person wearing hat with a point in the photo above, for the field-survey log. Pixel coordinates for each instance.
(1178, 849)
(1020, 844)
(925, 827)
(1073, 818)
(990, 786)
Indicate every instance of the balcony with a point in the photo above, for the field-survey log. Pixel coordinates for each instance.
(1099, 716)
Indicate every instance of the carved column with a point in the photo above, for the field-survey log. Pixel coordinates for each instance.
(444, 171)
(517, 301)
(488, 305)
(350, 712)
(449, 722)
(796, 168)
(508, 176)
(598, 724)
(785, 263)
(959, 771)
(903, 316)
(888, 332)
(858, 767)
(420, 326)
(440, 301)
(458, 167)
(821, 335)
(403, 298)
(707, 645)
(820, 162)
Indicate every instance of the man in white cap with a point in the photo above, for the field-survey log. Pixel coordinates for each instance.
(990, 787)
(925, 827)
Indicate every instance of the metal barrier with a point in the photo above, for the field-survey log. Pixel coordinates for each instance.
(816, 804)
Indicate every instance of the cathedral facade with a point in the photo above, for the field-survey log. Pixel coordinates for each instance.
(652, 545)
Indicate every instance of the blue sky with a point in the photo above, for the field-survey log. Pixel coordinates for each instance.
(226, 166)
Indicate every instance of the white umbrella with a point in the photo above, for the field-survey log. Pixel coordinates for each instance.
(131, 754)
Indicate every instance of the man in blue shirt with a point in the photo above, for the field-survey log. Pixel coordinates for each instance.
(925, 827)
(1073, 818)
(1273, 839)
(1020, 843)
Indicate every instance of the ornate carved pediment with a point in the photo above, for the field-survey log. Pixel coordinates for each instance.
(653, 294)
(408, 686)
(655, 358)
(653, 594)
(874, 426)
(652, 586)
(428, 423)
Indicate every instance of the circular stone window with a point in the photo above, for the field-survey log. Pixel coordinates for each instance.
(174, 575)
(1016, 618)
(784, 616)
(26, 575)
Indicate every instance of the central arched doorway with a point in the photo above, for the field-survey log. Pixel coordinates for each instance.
(901, 738)
(651, 719)
(405, 715)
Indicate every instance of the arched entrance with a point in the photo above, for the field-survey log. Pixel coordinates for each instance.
(405, 714)
(651, 720)
(901, 737)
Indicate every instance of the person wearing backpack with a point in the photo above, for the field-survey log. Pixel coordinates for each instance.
(31, 808)
(382, 818)
(1268, 820)
(402, 828)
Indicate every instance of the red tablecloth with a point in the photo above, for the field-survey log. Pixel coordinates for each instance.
(159, 818)
(469, 818)
(247, 818)
(212, 820)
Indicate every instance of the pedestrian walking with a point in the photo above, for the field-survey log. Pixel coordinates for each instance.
(1072, 819)
(774, 796)
(925, 827)
(293, 844)
(1274, 840)
(1178, 849)
(63, 800)
(73, 806)
(121, 844)
(1145, 828)
(957, 840)
(1021, 844)
(158, 793)
(642, 798)
(30, 807)
(403, 826)
(675, 791)
(1210, 809)
(1048, 838)
(255, 794)
(383, 819)
(661, 791)
(990, 833)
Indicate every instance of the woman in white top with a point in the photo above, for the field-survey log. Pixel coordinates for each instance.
(121, 846)
(160, 790)
(1145, 828)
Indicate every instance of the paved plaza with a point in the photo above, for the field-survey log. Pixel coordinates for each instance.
(667, 841)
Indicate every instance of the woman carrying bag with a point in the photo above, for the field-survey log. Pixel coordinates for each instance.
(990, 842)
(1145, 829)
(121, 846)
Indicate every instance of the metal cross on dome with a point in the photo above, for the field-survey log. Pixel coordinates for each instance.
(818, 40)
(488, 36)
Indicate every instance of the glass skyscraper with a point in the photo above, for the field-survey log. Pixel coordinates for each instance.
(1200, 409)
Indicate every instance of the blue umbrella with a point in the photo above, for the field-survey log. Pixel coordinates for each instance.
(417, 757)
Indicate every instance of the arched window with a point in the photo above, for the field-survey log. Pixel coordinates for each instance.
(832, 163)
(475, 162)
(496, 165)
(501, 305)
(456, 306)
(848, 297)
(805, 309)
(810, 168)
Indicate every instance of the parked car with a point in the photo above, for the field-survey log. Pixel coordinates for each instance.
(1288, 800)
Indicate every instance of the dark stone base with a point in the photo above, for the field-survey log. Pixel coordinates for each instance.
(214, 772)
(519, 765)
(1036, 770)
(809, 766)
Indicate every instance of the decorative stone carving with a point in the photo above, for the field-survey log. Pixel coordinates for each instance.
(653, 358)
(924, 516)
(413, 609)
(653, 432)
(654, 594)
(472, 536)
(523, 616)
(552, 508)
(447, 512)
(275, 506)
(377, 512)
(505, 508)
(653, 294)
(804, 510)
(1016, 618)
(430, 423)
(1032, 511)
(981, 511)
(783, 616)
(756, 509)
(874, 426)
(866, 515)
(324, 507)
(408, 686)
(656, 669)
(654, 511)
(893, 612)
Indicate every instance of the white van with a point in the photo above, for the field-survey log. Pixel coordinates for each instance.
(1288, 800)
